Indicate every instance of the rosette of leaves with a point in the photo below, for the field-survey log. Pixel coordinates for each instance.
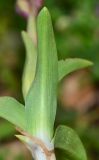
(35, 119)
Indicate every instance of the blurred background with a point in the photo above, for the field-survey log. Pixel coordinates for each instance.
(76, 27)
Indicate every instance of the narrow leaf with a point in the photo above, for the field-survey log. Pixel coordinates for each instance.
(30, 64)
(41, 100)
(13, 111)
(68, 145)
(23, 139)
(71, 64)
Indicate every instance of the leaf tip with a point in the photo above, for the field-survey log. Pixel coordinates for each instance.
(23, 33)
(90, 63)
(44, 12)
(21, 138)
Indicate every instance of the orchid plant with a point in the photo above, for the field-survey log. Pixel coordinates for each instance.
(35, 119)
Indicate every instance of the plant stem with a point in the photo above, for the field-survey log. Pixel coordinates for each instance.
(31, 28)
(40, 155)
(40, 151)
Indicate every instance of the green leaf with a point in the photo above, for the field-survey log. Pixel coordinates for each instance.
(68, 145)
(71, 64)
(13, 111)
(30, 63)
(41, 100)
(23, 139)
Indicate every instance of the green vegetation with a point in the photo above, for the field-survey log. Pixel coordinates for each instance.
(76, 27)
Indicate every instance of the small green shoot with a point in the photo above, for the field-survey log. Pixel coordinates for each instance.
(41, 76)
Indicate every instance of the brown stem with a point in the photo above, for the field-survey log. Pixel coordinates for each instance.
(37, 147)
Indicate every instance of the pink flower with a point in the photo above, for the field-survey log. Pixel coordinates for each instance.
(27, 7)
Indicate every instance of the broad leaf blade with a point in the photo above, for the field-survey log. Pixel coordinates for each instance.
(71, 64)
(41, 100)
(30, 63)
(13, 111)
(68, 144)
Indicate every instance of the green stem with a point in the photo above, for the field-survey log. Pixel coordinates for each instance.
(31, 28)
